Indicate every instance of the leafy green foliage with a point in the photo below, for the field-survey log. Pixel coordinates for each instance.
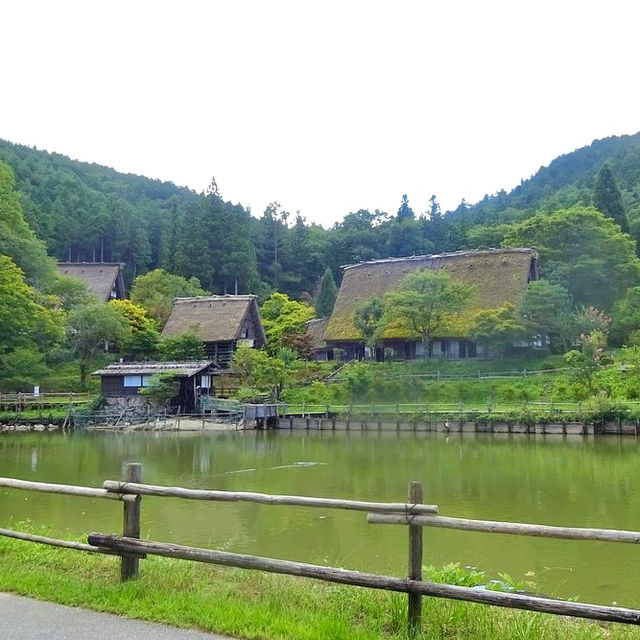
(424, 303)
(156, 290)
(547, 311)
(589, 359)
(607, 198)
(281, 316)
(625, 316)
(90, 329)
(498, 328)
(258, 370)
(327, 294)
(186, 346)
(367, 319)
(141, 338)
(583, 251)
(17, 240)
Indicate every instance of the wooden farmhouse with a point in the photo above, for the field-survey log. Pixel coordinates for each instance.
(316, 329)
(497, 276)
(123, 381)
(221, 322)
(103, 279)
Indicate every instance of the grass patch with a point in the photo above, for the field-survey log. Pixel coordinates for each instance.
(252, 604)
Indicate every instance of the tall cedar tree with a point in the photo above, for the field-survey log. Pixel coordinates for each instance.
(327, 293)
(405, 211)
(607, 198)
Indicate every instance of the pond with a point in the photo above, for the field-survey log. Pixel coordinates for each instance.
(571, 481)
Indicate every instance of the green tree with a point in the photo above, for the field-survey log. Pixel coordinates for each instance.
(625, 316)
(424, 304)
(186, 346)
(367, 320)
(547, 311)
(156, 290)
(258, 370)
(327, 294)
(141, 337)
(89, 329)
(162, 388)
(17, 240)
(607, 198)
(589, 359)
(498, 328)
(405, 211)
(582, 250)
(28, 328)
(280, 316)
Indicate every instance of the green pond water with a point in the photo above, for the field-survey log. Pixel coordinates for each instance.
(571, 481)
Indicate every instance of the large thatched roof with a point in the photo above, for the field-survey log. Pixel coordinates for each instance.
(497, 276)
(214, 318)
(101, 278)
(188, 368)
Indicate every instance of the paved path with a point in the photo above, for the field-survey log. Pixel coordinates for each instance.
(28, 619)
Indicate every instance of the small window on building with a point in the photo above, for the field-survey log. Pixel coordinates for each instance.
(245, 332)
(133, 381)
(205, 381)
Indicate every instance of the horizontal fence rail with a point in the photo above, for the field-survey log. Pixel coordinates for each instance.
(513, 528)
(370, 580)
(67, 489)
(264, 498)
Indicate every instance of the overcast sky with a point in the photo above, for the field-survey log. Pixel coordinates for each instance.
(326, 107)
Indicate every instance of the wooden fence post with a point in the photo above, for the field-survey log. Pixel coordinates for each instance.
(129, 566)
(414, 617)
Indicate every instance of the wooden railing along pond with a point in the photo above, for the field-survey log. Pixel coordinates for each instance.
(412, 513)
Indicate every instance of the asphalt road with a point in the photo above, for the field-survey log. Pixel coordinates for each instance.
(28, 619)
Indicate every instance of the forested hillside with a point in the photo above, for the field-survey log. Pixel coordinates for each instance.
(84, 211)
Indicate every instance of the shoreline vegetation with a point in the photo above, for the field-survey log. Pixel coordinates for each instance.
(251, 604)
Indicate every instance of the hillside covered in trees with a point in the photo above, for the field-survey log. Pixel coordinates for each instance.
(84, 211)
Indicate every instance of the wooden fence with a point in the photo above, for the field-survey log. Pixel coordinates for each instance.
(412, 513)
(23, 401)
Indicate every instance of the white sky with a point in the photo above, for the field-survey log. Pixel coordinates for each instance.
(327, 107)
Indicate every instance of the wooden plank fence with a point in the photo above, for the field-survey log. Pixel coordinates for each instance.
(413, 514)
(23, 401)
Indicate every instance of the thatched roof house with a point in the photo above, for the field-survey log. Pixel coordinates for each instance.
(221, 322)
(125, 379)
(103, 279)
(497, 276)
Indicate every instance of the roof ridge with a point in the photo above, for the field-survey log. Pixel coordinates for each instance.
(433, 256)
(226, 296)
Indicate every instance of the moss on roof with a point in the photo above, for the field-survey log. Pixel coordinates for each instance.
(496, 275)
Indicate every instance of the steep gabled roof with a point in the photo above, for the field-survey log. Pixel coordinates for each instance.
(100, 277)
(188, 368)
(497, 276)
(214, 318)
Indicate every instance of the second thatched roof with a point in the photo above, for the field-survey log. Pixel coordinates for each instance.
(497, 276)
(215, 318)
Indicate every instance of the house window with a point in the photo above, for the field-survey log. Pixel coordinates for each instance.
(245, 332)
(146, 381)
(205, 381)
(133, 381)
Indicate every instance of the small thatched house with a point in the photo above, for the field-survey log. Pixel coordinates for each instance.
(316, 329)
(497, 276)
(221, 322)
(103, 279)
(123, 381)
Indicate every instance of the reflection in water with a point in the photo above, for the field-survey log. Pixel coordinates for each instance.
(549, 480)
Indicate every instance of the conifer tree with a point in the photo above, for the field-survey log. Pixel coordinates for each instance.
(608, 199)
(327, 293)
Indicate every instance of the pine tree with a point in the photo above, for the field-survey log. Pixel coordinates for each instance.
(405, 211)
(327, 293)
(608, 199)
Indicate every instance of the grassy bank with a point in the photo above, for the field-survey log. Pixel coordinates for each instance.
(256, 605)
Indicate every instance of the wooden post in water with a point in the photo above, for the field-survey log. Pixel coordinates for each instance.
(414, 617)
(129, 567)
